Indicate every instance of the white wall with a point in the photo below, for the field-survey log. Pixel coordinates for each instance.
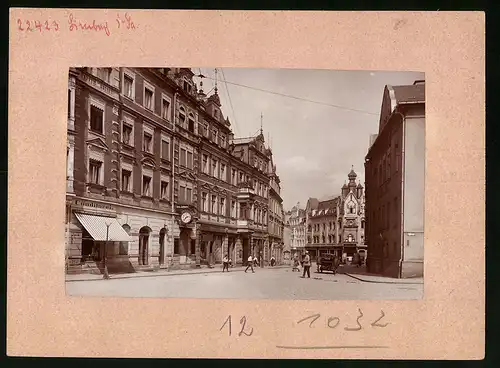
(414, 188)
(414, 178)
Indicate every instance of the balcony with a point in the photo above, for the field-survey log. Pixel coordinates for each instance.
(100, 85)
(242, 223)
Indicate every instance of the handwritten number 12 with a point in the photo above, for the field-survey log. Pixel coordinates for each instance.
(243, 322)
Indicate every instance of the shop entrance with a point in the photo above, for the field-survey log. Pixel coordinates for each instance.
(144, 245)
(163, 233)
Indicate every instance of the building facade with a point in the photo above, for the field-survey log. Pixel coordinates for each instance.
(155, 178)
(394, 172)
(276, 219)
(296, 221)
(336, 225)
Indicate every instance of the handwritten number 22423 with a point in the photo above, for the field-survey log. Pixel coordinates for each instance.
(243, 322)
(33, 26)
(333, 322)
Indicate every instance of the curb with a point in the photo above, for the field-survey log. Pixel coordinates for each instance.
(383, 282)
(158, 274)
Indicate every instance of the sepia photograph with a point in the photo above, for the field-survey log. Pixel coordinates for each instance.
(234, 183)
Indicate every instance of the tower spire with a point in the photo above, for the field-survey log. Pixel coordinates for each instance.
(261, 117)
(215, 88)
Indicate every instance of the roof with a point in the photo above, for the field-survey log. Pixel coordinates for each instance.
(409, 94)
(313, 203)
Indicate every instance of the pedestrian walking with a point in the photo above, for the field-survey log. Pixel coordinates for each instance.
(225, 263)
(249, 264)
(273, 261)
(255, 261)
(296, 264)
(307, 266)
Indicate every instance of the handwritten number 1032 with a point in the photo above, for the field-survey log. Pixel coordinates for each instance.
(243, 322)
(333, 322)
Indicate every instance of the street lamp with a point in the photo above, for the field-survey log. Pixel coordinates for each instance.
(106, 274)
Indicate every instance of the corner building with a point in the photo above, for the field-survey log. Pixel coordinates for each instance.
(395, 173)
(154, 177)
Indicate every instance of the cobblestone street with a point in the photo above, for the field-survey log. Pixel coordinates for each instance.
(279, 283)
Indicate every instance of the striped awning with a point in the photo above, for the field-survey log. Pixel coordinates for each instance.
(97, 226)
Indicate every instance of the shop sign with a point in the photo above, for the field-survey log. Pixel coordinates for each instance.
(96, 206)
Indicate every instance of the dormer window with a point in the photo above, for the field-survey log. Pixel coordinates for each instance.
(216, 114)
(187, 86)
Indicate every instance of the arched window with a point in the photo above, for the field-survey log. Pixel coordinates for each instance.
(144, 233)
(350, 238)
(182, 117)
(124, 245)
(191, 123)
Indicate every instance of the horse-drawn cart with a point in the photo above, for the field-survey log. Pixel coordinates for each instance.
(328, 262)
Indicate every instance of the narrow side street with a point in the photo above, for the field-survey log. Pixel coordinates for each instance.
(279, 283)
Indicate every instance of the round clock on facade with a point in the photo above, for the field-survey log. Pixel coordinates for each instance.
(186, 217)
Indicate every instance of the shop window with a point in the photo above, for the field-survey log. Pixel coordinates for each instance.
(123, 251)
(176, 245)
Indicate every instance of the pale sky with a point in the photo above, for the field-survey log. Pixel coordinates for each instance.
(313, 145)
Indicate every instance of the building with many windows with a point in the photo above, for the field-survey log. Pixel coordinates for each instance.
(155, 177)
(394, 172)
(296, 222)
(276, 216)
(336, 225)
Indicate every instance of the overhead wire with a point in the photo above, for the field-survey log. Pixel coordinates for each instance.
(299, 98)
(230, 101)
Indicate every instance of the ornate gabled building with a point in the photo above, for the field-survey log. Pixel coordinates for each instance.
(336, 225)
(155, 178)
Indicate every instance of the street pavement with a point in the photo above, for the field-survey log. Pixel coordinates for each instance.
(265, 283)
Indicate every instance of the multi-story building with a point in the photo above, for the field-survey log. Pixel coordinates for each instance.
(336, 225)
(296, 221)
(154, 176)
(394, 172)
(322, 229)
(253, 158)
(287, 241)
(276, 215)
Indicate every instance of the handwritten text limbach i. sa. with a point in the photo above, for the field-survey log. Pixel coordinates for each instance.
(123, 22)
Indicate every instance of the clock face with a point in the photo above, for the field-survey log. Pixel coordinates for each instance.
(186, 217)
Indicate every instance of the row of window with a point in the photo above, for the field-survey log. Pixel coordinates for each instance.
(217, 169)
(382, 172)
(186, 120)
(96, 170)
(384, 216)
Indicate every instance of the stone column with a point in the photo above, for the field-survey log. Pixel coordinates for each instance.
(225, 246)
(237, 248)
(198, 242)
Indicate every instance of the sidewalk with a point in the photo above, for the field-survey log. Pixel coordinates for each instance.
(163, 272)
(361, 275)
